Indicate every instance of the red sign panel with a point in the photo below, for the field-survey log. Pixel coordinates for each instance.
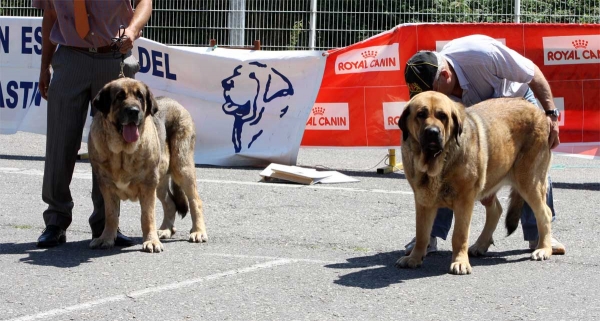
(363, 91)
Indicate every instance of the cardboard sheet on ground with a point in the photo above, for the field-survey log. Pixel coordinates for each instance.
(308, 176)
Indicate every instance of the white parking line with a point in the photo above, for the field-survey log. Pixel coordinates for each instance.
(261, 257)
(79, 174)
(152, 290)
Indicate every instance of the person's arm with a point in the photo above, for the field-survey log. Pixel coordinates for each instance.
(143, 10)
(48, 49)
(541, 89)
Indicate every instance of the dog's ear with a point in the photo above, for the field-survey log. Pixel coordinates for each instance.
(151, 104)
(402, 123)
(102, 101)
(458, 114)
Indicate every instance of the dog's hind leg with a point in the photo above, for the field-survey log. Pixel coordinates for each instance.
(535, 196)
(531, 182)
(184, 175)
(187, 180)
(493, 211)
(167, 228)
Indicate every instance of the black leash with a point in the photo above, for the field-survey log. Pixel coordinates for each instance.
(115, 47)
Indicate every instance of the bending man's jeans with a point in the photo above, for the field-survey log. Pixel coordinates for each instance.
(443, 220)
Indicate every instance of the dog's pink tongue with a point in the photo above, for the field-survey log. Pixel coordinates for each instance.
(130, 133)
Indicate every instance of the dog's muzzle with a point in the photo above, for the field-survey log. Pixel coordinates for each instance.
(431, 141)
(130, 118)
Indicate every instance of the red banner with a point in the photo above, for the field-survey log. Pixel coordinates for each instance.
(363, 91)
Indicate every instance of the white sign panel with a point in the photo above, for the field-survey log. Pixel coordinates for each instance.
(375, 58)
(249, 107)
(572, 50)
(391, 114)
(329, 116)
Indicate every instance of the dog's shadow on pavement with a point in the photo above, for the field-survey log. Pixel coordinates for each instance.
(68, 255)
(379, 270)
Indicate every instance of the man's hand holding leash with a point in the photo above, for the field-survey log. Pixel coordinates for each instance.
(142, 13)
(128, 37)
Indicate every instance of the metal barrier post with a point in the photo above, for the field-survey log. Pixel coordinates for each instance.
(237, 22)
(392, 165)
(313, 25)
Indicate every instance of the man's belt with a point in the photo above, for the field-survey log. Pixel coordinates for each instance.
(105, 49)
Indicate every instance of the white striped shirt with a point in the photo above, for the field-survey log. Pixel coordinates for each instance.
(486, 68)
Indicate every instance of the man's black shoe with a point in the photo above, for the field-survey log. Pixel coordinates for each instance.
(52, 236)
(121, 240)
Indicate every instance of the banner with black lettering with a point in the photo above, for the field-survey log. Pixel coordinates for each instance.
(249, 107)
(21, 105)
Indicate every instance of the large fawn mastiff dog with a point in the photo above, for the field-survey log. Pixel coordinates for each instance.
(138, 146)
(453, 157)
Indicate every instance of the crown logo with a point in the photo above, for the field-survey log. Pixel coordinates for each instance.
(369, 54)
(318, 110)
(580, 44)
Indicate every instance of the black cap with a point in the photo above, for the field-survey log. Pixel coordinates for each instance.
(420, 72)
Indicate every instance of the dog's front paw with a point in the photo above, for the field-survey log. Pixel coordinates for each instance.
(408, 262)
(541, 254)
(166, 233)
(102, 243)
(460, 268)
(198, 237)
(152, 246)
(478, 249)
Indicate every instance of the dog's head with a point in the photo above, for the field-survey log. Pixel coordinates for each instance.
(432, 120)
(125, 102)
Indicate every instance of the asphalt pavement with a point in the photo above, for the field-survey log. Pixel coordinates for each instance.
(290, 252)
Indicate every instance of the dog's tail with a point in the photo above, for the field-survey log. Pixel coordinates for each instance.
(179, 198)
(513, 214)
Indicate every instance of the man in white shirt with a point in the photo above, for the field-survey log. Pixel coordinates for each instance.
(476, 68)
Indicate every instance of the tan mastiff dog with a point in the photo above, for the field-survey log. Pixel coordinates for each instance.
(453, 157)
(138, 146)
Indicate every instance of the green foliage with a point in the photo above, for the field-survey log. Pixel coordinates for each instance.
(295, 35)
(560, 11)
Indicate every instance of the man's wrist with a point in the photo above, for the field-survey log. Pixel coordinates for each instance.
(552, 113)
(136, 31)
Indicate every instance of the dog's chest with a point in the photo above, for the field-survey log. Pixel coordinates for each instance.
(427, 189)
(126, 190)
(438, 191)
(126, 187)
(131, 174)
(122, 185)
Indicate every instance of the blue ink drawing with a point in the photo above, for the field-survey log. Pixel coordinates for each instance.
(267, 86)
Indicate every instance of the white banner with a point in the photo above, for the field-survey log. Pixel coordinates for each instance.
(250, 107)
(572, 50)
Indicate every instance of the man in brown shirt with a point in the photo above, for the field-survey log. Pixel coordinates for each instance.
(76, 52)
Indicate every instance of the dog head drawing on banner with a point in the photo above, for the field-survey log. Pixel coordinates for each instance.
(252, 90)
